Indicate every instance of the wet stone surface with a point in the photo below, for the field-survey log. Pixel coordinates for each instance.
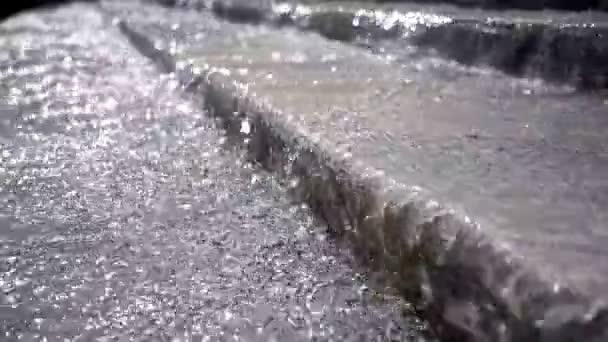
(522, 158)
(122, 217)
(566, 48)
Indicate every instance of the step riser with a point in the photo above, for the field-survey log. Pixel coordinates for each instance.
(567, 55)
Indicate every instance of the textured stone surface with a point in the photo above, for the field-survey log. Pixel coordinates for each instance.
(373, 146)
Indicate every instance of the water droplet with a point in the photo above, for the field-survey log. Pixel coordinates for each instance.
(245, 127)
(121, 263)
(22, 282)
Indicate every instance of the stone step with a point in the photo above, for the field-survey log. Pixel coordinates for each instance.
(558, 47)
(481, 197)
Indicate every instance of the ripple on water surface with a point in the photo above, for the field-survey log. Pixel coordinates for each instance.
(121, 218)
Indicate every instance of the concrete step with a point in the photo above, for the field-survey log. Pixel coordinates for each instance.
(563, 48)
(481, 197)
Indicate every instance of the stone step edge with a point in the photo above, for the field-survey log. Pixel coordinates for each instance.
(559, 54)
(467, 287)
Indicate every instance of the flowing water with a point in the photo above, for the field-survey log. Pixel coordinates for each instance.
(123, 217)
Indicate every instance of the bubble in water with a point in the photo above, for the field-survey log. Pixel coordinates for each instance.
(245, 127)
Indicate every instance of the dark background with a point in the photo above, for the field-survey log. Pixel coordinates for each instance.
(9, 8)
